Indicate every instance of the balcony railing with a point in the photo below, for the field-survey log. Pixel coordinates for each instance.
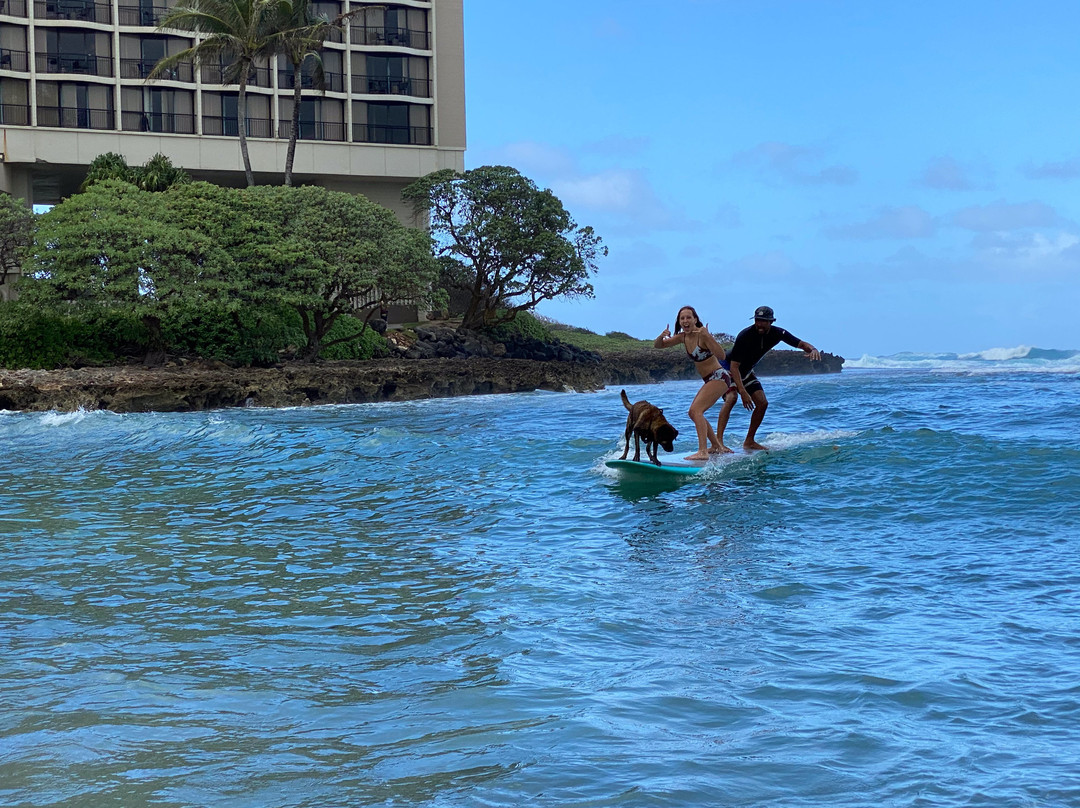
(167, 122)
(73, 10)
(140, 69)
(313, 130)
(75, 117)
(13, 8)
(334, 82)
(382, 85)
(403, 135)
(259, 76)
(15, 114)
(141, 15)
(78, 63)
(397, 37)
(14, 60)
(227, 126)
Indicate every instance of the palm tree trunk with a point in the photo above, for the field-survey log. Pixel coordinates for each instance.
(295, 133)
(241, 114)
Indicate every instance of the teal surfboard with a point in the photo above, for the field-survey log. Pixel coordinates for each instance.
(637, 470)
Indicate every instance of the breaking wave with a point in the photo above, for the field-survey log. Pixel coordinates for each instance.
(1019, 359)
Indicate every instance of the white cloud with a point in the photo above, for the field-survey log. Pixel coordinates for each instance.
(1001, 215)
(797, 165)
(904, 222)
(623, 198)
(1059, 170)
(946, 174)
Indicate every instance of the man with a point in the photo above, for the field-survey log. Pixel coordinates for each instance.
(752, 343)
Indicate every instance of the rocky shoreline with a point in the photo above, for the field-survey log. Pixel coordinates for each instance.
(200, 385)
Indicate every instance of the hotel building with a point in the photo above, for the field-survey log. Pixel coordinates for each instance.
(73, 86)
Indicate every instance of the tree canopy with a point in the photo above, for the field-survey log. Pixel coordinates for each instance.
(16, 232)
(324, 253)
(157, 174)
(508, 242)
(118, 247)
(325, 260)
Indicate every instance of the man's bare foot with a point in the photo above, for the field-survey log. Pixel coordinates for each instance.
(754, 446)
(697, 456)
(721, 449)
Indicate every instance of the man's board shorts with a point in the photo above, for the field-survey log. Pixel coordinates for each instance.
(749, 380)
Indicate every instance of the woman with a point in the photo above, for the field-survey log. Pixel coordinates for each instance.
(706, 352)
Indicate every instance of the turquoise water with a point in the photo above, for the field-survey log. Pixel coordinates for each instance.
(450, 603)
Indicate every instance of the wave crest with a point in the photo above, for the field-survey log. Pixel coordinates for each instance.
(1022, 358)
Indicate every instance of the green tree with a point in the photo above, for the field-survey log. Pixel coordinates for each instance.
(107, 166)
(157, 174)
(511, 244)
(299, 39)
(16, 233)
(120, 249)
(324, 253)
(237, 33)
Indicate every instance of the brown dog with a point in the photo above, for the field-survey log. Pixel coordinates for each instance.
(648, 423)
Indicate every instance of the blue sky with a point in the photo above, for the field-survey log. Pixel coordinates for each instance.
(887, 176)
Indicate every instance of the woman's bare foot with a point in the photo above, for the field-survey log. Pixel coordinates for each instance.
(721, 449)
(697, 456)
(754, 446)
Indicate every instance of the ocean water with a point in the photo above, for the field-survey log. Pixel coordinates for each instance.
(452, 603)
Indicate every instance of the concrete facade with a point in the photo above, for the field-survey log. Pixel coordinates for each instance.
(72, 87)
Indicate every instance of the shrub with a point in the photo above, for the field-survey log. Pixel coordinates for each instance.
(36, 338)
(523, 327)
(252, 336)
(368, 346)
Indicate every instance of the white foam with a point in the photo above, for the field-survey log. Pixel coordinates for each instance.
(57, 419)
(1018, 359)
(999, 354)
(787, 440)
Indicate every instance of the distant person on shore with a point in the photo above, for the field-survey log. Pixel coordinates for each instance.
(706, 352)
(752, 343)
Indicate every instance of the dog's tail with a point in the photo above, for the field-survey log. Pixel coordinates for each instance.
(625, 400)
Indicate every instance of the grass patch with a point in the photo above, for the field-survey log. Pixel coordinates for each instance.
(611, 342)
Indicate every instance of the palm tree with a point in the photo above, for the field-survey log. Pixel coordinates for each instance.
(299, 38)
(236, 33)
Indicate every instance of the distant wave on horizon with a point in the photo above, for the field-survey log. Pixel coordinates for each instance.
(1022, 358)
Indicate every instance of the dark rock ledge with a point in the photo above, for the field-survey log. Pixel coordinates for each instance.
(212, 385)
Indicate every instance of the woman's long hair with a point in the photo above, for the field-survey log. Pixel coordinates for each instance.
(697, 320)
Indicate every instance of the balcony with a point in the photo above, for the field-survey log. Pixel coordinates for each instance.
(227, 126)
(166, 122)
(146, 16)
(314, 130)
(13, 8)
(14, 60)
(334, 82)
(140, 69)
(382, 85)
(75, 63)
(14, 114)
(396, 37)
(73, 10)
(213, 74)
(401, 135)
(75, 117)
